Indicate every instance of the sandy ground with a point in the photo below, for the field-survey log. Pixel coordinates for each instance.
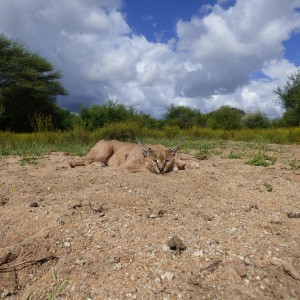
(102, 233)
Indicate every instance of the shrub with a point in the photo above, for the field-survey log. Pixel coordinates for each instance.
(255, 120)
(123, 131)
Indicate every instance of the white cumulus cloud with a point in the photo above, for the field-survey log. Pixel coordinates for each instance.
(210, 62)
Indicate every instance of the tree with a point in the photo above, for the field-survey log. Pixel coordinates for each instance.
(290, 97)
(28, 86)
(255, 120)
(98, 115)
(183, 116)
(225, 117)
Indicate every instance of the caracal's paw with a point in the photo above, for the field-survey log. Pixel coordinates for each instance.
(192, 165)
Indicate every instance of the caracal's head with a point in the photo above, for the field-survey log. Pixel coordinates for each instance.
(159, 159)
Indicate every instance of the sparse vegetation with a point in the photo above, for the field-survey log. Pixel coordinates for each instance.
(78, 140)
(205, 149)
(236, 155)
(269, 187)
(59, 285)
(294, 164)
(31, 160)
(262, 159)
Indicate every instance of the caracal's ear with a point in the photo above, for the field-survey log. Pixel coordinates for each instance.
(146, 150)
(174, 149)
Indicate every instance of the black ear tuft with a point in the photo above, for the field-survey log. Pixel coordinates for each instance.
(174, 149)
(146, 150)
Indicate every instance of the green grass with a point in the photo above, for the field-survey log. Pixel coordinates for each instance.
(236, 155)
(262, 159)
(294, 164)
(29, 160)
(269, 187)
(205, 141)
(58, 287)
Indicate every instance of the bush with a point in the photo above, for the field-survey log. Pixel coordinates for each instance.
(225, 117)
(123, 131)
(255, 120)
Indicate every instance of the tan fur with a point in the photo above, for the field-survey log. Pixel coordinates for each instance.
(133, 157)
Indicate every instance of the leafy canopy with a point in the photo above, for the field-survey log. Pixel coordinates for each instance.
(290, 97)
(28, 86)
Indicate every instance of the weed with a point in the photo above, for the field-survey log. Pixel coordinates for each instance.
(269, 187)
(29, 296)
(58, 287)
(204, 150)
(294, 164)
(236, 155)
(41, 123)
(262, 159)
(29, 160)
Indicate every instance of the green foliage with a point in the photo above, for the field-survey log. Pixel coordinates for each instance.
(255, 120)
(205, 149)
(98, 115)
(172, 131)
(236, 155)
(290, 97)
(225, 117)
(124, 131)
(291, 118)
(269, 187)
(294, 164)
(28, 86)
(29, 160)
(262, 159)
(79, 140)
(41, 123)
(184, 117)
(59, 286)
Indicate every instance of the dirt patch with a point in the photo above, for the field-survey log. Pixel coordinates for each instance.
(224, 231)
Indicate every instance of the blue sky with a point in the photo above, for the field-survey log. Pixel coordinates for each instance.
(156, 19)
(150, 54)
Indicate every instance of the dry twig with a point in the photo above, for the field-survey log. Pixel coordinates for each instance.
(212, 267)
(27, 263)
(101, 209)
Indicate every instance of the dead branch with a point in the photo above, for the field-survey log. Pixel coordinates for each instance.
(212, 267)
(101, 209)
(27, 263)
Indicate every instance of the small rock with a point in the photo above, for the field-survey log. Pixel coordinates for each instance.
(198, 253)
(3, 199)
(33, 204)
(6, 293)
(168, 276)
(67, 244)
(61, 221)
(293, 215)
(80, 261)
(157, 280)
(118, 267)
(289, 270)
(262, 287)
(176, 244)
(241, 271)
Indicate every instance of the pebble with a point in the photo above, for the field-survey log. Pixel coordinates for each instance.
(67, 244)
(118, 267)
(167, 275)
(80, 261)
(198, 253)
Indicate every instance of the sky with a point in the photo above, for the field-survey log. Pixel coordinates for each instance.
(150, 54)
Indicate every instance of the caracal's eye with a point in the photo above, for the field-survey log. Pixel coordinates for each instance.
(154, 160)
(166, 161)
